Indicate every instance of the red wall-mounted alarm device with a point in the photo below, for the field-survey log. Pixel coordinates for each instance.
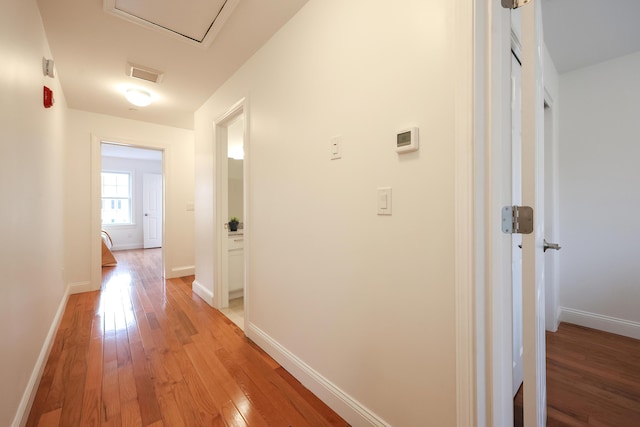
(47, 97)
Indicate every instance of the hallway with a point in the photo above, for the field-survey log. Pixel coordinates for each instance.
(149, 352)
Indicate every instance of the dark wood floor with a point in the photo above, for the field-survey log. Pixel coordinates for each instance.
(593, 379)
(149, 352)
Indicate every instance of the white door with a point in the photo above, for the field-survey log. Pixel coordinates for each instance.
(516, 239)
(152, 210)
(550, 219)
(533, 313)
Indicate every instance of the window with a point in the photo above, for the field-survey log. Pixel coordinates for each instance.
(116, 198)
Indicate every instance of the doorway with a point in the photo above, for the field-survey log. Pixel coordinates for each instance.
(128, 202)
(235, 212)
(231, 290)
(132, 196)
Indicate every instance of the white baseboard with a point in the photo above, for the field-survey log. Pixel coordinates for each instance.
(188, 270)
(29, 395)
(79, 287)
(202, 292)
(347, 407)
(614, 325)
(236, 294)
(127, 247)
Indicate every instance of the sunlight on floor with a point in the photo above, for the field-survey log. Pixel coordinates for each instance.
(115, 302)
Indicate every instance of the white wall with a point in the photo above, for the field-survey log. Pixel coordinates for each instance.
(365, 302)
(130, 236)
(31, 175)
(599, 152)
(178, 146)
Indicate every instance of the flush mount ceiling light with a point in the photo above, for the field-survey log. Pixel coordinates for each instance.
(138, 97)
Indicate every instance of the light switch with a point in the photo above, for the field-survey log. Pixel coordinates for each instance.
(334, 147)
(384, 201)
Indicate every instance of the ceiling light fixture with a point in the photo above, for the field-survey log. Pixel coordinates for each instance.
(138, 97)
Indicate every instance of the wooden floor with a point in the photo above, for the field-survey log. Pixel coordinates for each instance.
(593, 379)
(149, 352)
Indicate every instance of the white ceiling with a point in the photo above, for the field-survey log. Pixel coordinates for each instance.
(92, 48)
(579, 33)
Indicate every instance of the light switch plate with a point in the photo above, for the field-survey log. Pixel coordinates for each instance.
(384, 201)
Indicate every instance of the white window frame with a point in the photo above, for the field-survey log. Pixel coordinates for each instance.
(132, 221)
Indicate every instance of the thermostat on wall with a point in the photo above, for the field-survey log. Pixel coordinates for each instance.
(407, 140)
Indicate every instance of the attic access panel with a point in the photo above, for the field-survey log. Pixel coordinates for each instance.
(197, 22)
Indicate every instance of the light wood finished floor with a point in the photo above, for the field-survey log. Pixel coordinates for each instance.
(593, 379)
(149, 352)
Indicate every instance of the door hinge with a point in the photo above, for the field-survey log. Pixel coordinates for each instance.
(514, 4)
(517, 220)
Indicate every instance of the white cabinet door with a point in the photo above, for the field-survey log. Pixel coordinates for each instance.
(236, 263)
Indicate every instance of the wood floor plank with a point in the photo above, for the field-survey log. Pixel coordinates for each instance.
(593, 379)
(149, 409)
(224, 403)
(50, 419)
(145, 351)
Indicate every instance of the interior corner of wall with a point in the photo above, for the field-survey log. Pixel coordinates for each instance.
(202, 292)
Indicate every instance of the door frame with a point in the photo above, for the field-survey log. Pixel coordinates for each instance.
(96, 196)
(552, 208)
(487, 400)
(221, 209)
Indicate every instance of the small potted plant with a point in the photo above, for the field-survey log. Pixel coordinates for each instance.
(233, 223)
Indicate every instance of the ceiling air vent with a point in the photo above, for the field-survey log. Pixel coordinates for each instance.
(144, 73)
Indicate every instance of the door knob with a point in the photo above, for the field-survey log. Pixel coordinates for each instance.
(553, 246)
(146, 214)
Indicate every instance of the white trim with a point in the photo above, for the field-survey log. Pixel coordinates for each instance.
(187, 270)
(239, 293)
(493, 191)
(220, 125)
(127, 247)
(466, 357)
(627, 328)
(30, 391)
(95, 234)
(346, 406)
(79, 287)
(552, 281)
(202, 292)
(96, 197)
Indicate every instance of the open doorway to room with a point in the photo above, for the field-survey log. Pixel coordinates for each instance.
(131, 204)
(235, 265)
(235, 210)
(230, 293)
